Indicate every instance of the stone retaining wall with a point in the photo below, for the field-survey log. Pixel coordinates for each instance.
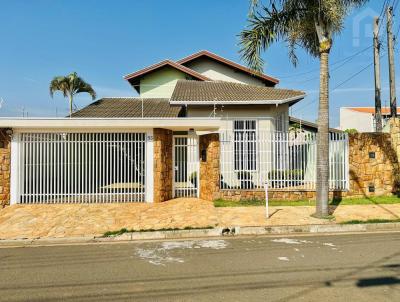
(5, 158)
(162, 165)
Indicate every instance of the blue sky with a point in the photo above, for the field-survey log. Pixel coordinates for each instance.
(104, 40)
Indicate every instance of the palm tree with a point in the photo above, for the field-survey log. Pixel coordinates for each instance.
(71, 85)
(310, 24)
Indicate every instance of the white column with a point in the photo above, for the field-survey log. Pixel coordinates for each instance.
(14, 180)
(149, 166)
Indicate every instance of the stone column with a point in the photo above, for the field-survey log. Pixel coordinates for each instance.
(5, 157)
(209, 169)
(162, 165)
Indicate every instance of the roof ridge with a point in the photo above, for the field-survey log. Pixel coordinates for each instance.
(228, 62)
(131, 97)
(162, 64)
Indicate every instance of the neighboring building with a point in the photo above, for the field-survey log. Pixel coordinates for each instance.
(362, 118)
(202, 126)
(296, 124)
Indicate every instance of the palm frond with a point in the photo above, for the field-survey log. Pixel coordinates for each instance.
(294, 22)
(71, 85)
(264, 28)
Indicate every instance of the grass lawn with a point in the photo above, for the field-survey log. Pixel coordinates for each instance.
(370, 221)
(345, 201)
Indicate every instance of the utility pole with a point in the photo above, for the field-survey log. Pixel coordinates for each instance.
(393, 105)
(377, 74)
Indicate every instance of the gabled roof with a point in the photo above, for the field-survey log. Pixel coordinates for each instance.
(371, 110)
(128, 108)
(218, 92)
(133, 78)
(213, 56)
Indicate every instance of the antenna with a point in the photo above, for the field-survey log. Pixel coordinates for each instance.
(1, 102)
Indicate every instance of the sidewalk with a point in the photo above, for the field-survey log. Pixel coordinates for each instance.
(301, 215)
(62, 221)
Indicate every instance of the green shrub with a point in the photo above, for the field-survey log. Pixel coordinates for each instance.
(294, 176)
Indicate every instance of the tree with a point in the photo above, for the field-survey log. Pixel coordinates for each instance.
(311, 25)
(71, 85)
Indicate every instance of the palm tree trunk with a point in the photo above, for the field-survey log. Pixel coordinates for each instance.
(323, 138)
(71, 100)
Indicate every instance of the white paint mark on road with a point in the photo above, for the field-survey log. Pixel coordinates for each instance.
(283, 258)
(290, 241)
(160, 254)
(329, 244)
(296, 249)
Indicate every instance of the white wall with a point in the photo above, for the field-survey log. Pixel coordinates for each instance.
(265, 114)
(220, 72)
(350, 119)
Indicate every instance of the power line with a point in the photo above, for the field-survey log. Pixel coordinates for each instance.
(339, 85)
(317, 69)
(384, 7)
(337, 67)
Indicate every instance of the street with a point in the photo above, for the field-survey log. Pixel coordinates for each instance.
(351, 267)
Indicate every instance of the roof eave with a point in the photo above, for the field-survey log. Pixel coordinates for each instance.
(162, 64)
(291, 101)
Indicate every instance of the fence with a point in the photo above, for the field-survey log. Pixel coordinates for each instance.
(287, 160)
(186, 166)
(81, 167)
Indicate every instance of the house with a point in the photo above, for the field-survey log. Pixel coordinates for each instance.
(362, 118)
(202, 126)
(296, 124)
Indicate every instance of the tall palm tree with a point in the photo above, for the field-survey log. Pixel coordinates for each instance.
(71, 85)
(310, 24)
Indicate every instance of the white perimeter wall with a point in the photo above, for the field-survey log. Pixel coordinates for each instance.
(350, 119)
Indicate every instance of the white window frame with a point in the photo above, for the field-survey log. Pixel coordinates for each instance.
(256, 159)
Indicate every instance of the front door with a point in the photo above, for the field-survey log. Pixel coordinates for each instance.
(186, 166)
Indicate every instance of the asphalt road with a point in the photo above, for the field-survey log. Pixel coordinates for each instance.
(304, 268)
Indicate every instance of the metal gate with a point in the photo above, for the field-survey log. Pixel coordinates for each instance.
(186, 166)
(287, 160)
(81, 167)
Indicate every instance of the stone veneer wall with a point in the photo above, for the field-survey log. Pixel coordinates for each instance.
(5, 158)
(376, 172)
(162, 165)
(209, 169)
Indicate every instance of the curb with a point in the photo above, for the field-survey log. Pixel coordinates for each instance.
(215, 232)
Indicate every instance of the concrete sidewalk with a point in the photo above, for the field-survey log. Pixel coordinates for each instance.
(301, 215)
(83, 220)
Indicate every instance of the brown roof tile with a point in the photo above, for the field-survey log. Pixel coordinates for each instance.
(128, 108)
(226, 92)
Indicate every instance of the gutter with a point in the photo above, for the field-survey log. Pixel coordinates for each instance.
(248, 102)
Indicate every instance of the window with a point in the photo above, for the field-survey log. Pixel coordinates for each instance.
(280, 123)
(245, 145)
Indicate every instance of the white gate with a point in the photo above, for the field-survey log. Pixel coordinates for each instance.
(287, 160)
(186, 166)
(81, 167)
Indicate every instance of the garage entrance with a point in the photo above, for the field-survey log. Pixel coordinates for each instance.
(81, 167)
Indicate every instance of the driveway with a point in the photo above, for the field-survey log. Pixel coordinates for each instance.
(73, 220)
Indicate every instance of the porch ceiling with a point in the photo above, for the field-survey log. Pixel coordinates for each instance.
(107, 124)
